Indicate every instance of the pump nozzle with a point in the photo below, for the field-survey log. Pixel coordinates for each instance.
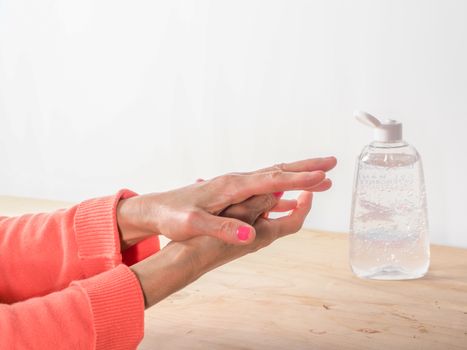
(389, 131)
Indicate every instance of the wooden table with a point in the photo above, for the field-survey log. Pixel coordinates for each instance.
(299, 293)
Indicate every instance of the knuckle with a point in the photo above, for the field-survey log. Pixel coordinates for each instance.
(258, 206)
(225, 180)
(228, 195)
(188, 218)
(269, 201)
(192, 215)
(275, 174)
(231, 186)
(280, 166)
(226, 228)
(231, 177)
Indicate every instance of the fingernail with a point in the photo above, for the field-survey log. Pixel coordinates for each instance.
(278, 194)
(243, 233)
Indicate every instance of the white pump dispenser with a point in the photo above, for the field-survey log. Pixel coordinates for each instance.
(387, 131)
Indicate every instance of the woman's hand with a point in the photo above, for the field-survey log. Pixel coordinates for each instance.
(181, 263)
(194, 210)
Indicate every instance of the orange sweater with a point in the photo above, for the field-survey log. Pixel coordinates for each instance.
(62, 281)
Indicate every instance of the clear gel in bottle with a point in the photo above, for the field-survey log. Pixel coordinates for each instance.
(389, 226)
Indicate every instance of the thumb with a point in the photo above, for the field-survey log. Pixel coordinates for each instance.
(229, 230)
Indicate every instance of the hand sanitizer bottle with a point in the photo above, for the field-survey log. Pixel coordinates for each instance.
(389, 225)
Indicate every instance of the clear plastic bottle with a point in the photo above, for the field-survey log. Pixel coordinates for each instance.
(389, 226)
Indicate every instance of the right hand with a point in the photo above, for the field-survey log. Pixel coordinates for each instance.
(194, 210)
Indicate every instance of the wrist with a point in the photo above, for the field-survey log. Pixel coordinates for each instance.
(207, 253)
(130, 222)
(164, 273)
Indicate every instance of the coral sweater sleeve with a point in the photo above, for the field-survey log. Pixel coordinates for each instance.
(62, 281)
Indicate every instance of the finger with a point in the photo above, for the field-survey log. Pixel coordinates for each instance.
(284, 205)
(325, 185)
(294, 222)
(237, 188)
(229, 230)
(313, 164)
(250, 209)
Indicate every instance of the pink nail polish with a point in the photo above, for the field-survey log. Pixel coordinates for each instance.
(278, 194)
(243, 233)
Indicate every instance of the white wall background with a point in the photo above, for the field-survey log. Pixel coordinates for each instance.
(150, 95)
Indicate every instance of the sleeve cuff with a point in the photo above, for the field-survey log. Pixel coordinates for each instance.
(117, 306)
(140, 250)
(97, 233)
